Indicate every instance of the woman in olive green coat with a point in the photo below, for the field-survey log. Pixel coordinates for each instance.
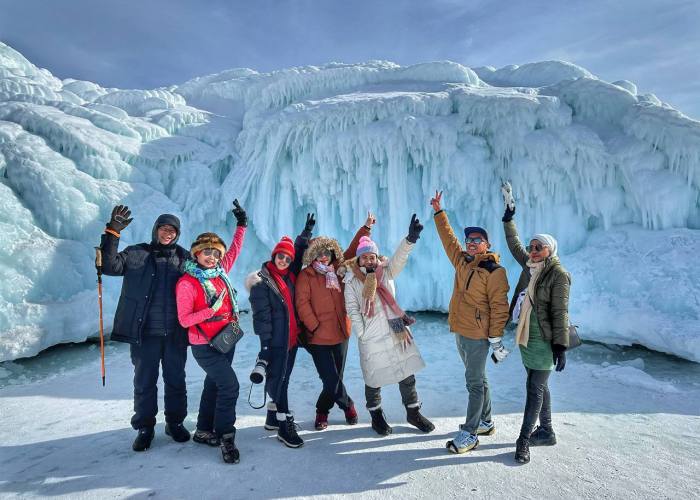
(541, 309)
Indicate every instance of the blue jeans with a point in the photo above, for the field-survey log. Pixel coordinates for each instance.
(217, 406)
(474, 354)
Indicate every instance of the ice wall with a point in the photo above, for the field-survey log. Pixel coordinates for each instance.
(586, 158)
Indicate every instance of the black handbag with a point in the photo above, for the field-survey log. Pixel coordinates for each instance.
(227, 337)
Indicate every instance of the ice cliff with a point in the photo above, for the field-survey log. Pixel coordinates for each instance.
(614, 175)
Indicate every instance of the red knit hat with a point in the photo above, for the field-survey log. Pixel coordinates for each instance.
(285, 246)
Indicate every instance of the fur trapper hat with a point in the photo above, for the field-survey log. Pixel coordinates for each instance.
(208, 240)
(321, 243)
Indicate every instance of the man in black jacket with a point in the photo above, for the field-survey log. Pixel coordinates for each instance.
(146, 318)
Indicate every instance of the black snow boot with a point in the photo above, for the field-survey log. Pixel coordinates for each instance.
(522, 451)
(229, 452)
(178, 432)
(379, 423)
(414, 418)
(143, 439)
(206, 437)
(287, 432)
(543, 437)
(271, 423)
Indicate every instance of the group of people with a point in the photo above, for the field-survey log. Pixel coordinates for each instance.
(312, 293)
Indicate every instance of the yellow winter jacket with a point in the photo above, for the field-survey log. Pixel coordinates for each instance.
(479, 304)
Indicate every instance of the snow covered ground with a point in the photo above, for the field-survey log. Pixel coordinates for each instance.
(627, 420)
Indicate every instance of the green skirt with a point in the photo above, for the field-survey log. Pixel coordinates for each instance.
(538, 353)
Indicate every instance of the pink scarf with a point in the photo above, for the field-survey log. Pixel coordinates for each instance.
(331, 278)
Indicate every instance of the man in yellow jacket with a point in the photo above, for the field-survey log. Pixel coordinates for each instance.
(478, 314)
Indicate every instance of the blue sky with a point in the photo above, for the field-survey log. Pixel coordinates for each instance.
(148, 43)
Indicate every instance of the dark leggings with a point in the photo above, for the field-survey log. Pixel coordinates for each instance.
(278, 373)
(538, 403)
(330, 363)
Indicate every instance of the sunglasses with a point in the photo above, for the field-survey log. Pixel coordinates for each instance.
(476, 241)
(536, 248)
(212, 252)
(325, 253)
(167, 230)
(286, 258)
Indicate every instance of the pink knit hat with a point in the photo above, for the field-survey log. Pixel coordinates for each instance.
(366, 245)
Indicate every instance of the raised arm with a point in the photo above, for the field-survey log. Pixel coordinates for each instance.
(301, 243)
(113, 261)
(517, 250)
(400, 257)
(234, 249)
(452, 246)
(365, 230)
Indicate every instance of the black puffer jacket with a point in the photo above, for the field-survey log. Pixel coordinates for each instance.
(137, 264)
(270, 316)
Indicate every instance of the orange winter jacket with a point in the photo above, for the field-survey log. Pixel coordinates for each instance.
(479, 304)
(320, 309)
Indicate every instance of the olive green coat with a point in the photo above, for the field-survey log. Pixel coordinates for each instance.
(551, 292)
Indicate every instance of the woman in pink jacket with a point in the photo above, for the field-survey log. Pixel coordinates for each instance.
(206, 303)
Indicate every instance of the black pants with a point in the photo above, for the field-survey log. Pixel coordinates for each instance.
(538, 403)
(330, 363)
(147, 358)
(278, 373)
(217, 406)
(407, 388)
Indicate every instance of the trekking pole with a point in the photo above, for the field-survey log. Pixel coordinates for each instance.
(98, 266)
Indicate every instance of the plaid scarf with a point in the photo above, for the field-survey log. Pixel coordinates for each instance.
(331, 278)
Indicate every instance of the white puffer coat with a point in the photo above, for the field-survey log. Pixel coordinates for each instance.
(383, 358)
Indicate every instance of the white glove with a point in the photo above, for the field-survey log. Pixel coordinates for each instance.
(499, 351)
(508, 199)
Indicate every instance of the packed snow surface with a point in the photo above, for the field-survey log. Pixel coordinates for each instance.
(622, 429)
(614, 175)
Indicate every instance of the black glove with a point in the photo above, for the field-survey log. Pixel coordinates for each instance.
(508, 214)
(239, 214)
(310, 223)
(559, 356)
(414, 229)
(265, 353)
(120, 218)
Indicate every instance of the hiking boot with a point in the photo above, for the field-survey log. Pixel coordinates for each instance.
(379, 423)
(178, 432)
(414, 417)
(522, 451)
(287, 432)
(206, 437)
(486, 428)
(271, 423)
(143, 439)
(321, 422)
(351, 415)
(543, 437)
(462, 442)
(229, 452)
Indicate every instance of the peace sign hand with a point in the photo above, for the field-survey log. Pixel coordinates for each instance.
(435, 202)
